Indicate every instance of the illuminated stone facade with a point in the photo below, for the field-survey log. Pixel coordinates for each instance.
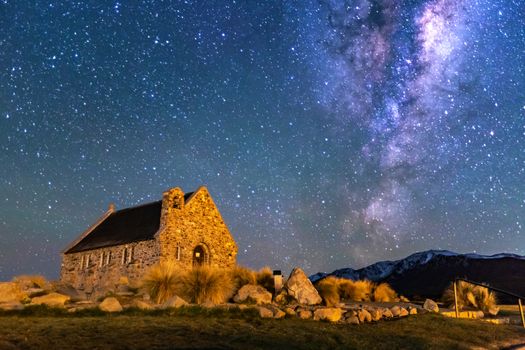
(190, 232)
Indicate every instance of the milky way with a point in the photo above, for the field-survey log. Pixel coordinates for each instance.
(329, 133)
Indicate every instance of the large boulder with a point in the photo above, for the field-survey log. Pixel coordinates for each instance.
(51, 299)
(431, 305)
(10, 291)
(332, 314)
(300, 288)
(252, 293)
(174, 302)
(110, 304)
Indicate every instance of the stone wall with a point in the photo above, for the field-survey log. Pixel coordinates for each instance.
(194, 223)
(91, 272)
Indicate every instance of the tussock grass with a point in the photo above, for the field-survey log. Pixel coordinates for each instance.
(31, 281)
(333, 290)
(384, 293)
(162, 281)
(205, 284)
(265, 279)
(328, 288)
(242, 276)
(472, 296)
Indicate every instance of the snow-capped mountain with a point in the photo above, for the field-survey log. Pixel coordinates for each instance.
(428, 273)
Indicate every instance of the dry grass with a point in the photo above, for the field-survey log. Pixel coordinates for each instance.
(472, 296)
(205, 284)
(333, 289)
(265, 279)
(190, 328)
(242, 276)
(328, 288)
(384, 293)
(31, 281)
(162, 281)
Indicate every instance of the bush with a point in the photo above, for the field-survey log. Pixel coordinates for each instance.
(242, 276)
(31, 281)
(265, 279)
(206, 284)
(328, 288)
(472, 296)
(162, 281)
(384, 293)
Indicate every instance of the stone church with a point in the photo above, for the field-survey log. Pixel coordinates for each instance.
(186, 228)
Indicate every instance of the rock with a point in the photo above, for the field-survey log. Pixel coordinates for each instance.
(364, 316)
(265, 312)
(10, 291)
(35, 292)
(403, 312)
(278, 314)
(110, 304)
(387, 313)
(51, 299)
(12, 306)
(290, 311)
(331, 314)
(376, 314)
(403, 299)
(493, 310)
(69, 291)
(142, 305)
(252, 293)
(304, 314)
(352, 320)
(175, 302)
(299, 287)
(412, 310)
(396, 310)
(430, 305)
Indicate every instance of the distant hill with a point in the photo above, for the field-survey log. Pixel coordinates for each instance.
(429, 273)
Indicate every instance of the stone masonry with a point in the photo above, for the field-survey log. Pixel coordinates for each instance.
(192, 232)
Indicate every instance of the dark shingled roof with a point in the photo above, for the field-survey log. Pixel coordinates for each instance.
(124, 226)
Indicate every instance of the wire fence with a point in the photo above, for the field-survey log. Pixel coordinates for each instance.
(498, 290)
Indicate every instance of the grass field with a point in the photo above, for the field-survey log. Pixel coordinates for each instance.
(195, 328)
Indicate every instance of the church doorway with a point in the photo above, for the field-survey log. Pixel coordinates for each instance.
(199, 256)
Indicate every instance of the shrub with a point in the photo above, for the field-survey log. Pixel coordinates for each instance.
(206, 284)
(265, 279)
(384, 293)
(162, 281)
(473, 296)
(242, 276)
(346, 289)
(31, 281)
(328, 288)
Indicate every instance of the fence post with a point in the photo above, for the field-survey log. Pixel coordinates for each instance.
(521, 313)
(456, 298)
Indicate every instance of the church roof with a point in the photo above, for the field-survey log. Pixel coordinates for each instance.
(124, 226)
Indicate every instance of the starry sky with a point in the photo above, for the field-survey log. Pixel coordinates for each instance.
(330, 133)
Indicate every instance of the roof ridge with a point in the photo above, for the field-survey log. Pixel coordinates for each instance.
(138, 206)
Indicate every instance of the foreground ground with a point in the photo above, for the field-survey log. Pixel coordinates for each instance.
(222, 329)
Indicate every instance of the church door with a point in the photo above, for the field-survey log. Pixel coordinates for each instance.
(199, 256)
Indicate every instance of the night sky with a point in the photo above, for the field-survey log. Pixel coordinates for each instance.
(330, 134)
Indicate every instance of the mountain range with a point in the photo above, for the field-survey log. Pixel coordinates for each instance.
(427, 274)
